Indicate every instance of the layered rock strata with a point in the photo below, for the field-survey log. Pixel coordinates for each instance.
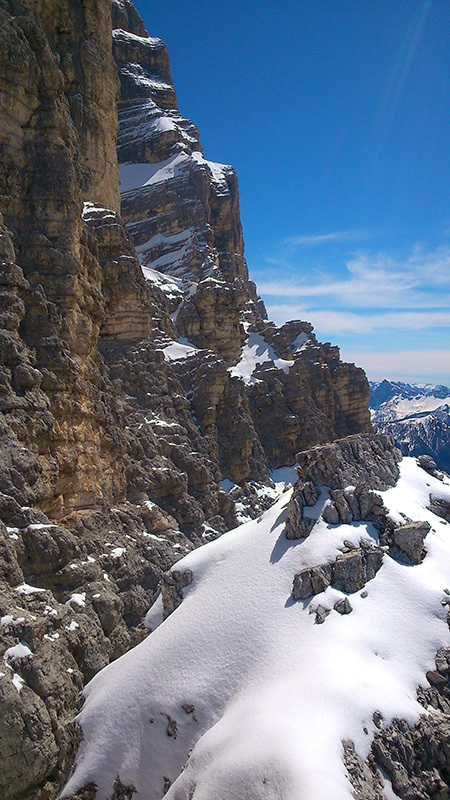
(182, 213)
(113, 444)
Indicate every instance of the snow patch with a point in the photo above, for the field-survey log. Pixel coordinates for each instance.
(21, 650)
(286, 475)
(18, 682)
(25, 588)
(77, 599)
(179, 350)
(254, 353)
(118, 552)
(136, 176)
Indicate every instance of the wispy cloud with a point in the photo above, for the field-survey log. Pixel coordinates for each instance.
(416, 365)
(420, 281)
(366, 301)
(318, 239)
(347, 322)
(390, 101)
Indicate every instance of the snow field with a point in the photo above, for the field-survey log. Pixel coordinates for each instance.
(269, 695)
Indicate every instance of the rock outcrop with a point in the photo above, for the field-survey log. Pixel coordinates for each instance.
(414, 759)
(182, 213)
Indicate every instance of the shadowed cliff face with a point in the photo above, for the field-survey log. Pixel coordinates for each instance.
(114, 435)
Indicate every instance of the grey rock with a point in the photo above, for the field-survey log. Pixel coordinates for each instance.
(348, 572)
(301, 530)
(29, 749)
(330, 513)
(353, 504)
(108, 606)
(321, 614)
(311, 581)
(443, 660)
(369, 459)
(172, 585)
(122, 791)
(364, 777)
(435, 678)
(440, 507)
(299, 526)
(344, 509)
(343, 606)
(427, 463)
(416, 759)
(373, 559)
(410, 538)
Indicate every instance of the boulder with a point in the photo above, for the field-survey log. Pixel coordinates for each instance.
(410, 538)
(349, 574)
(311, 581)
(29, 749)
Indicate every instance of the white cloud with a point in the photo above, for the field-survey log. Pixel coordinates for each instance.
(314, 240)
(407, 365)
(371, 281)
(334, 322)
(368, 301)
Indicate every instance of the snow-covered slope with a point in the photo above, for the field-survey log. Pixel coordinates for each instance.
(417, 416)
(240, 694)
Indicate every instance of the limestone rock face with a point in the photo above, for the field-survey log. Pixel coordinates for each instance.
(182, 213)
(60, 154)
(370, 459)
(317, 399)
(113, 439)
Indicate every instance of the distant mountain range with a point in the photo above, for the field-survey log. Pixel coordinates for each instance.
(417, 416)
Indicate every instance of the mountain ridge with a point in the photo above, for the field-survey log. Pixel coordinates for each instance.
(417, 416)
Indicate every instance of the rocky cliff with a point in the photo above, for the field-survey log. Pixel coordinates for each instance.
(138, 369)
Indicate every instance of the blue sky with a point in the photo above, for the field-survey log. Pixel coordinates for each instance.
(336, 116)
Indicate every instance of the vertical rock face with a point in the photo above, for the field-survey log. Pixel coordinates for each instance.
(182, 213)
(114, 436)
(57, 151)
(181, 210)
